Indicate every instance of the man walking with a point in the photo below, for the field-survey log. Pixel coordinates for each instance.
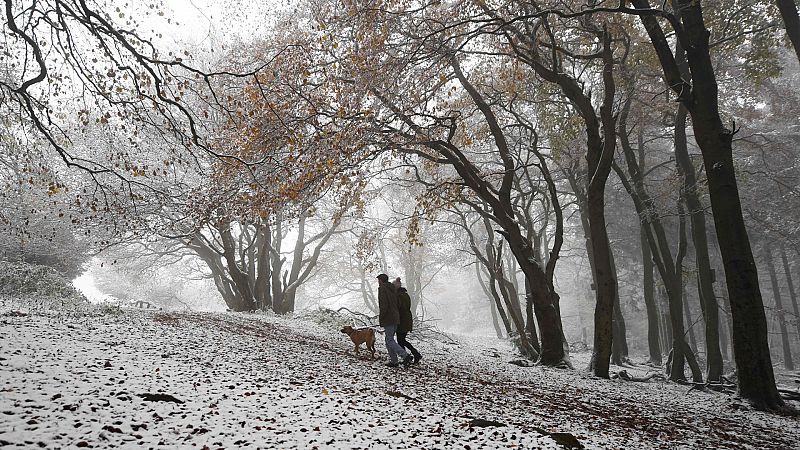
(389, 318)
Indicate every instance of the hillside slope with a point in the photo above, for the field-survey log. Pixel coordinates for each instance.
(256, 381)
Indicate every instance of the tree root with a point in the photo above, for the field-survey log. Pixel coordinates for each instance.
(623, 375)
(716, 387)
(787, 394)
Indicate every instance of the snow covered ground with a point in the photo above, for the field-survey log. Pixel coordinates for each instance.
(253, 381)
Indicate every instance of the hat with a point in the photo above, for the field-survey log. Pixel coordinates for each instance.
(383, 277)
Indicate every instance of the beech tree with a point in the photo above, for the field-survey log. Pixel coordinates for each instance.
(396, 119)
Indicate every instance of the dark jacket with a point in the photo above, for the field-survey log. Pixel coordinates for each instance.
(387, 305)
(406, 319)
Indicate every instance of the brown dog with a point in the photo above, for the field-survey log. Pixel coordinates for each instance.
(365, 335)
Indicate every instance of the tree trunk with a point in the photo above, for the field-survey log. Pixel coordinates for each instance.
(790, 286)
(688, 352)
(215, 264)
(751, 348)
(552, 350)
(653, 328)
(530, 319)
(583, 211)
(687, 313)
(491, 292)
(676, 369)
(262, 272)
(723, 340)
(495, 258)
(670, 271)
(276, 263)
(776, 292)
(619, 342)
(289, 299)
(648, 282)
(495, 306)
(238, 276)
(601, 144)
(503, 214)
(606, 286)
(498, 331)
(665, 324)
(367, 295)
(697, 218)
(791, 21)
(749, 322)
(701, 97)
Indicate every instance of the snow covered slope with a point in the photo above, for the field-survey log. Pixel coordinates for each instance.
(253, 381)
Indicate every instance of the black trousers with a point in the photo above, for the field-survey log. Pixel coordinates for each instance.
(401, 339)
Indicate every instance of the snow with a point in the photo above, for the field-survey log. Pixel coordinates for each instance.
(259, 381)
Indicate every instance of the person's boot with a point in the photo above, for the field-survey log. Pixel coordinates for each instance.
(417, 358)
(408, 360)
(393, 364)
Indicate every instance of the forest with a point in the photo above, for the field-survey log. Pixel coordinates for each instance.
(603, 190)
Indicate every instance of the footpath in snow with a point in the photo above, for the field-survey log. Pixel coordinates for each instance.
(179, 380)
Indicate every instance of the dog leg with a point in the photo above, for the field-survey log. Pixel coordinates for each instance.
(371, 345)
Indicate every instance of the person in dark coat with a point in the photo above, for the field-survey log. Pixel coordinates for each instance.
(406, 323)
(389, 319)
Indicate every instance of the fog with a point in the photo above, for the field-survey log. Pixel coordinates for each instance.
(590, 191)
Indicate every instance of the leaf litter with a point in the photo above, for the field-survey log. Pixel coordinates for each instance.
(202, 380)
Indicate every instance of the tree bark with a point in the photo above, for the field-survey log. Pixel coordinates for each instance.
(609, 327)
(262, 271)
(724, 339)
(238, 276)
(619, 345)
(530, 319)
(665, 323)
(606, 284)
(648, 282)
(791, 21)
(495, 305)
(687, 313)
(498, 331)
(599, 157)
(675, 291)
(653, 328)
(490, 259)
(790, 286)
(776, 292)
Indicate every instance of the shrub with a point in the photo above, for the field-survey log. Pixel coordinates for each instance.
(327, 318)
(24, 280)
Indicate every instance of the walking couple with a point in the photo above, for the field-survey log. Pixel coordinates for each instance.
(394, 306)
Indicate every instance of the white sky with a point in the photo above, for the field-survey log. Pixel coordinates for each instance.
(85, 284)
(210, 22)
